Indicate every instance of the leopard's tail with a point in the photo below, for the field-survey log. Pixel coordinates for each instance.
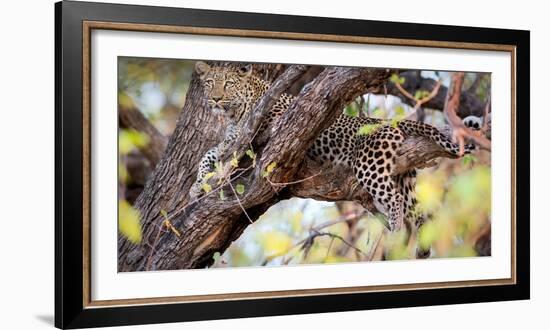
(410, 127)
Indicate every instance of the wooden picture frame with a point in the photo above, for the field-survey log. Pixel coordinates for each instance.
(74, 23)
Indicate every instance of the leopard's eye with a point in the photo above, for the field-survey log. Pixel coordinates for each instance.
(229, 83)
(209, 82)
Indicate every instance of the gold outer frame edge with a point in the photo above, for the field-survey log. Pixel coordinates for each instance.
(88, 26)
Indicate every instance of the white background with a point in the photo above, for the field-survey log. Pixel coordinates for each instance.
(27, 164)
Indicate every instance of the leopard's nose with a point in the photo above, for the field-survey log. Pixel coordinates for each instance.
(216, 98)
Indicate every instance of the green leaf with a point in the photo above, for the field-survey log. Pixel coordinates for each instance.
(400, 112)
(252, 156)
(351, 111)
(379, 113)
(395, 122)
(240, 189)
(222, 195)
(421, 94)
(128, 221)
(468, 160)
(367, 129)
(394, 78)
(216, 257)
(164, 213)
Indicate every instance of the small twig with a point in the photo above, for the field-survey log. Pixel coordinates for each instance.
(153, 248)
(372, 251)
(418, 102)
(405, 92)
(319, 233)
(344, 218)
(292, 182)
(475, 85)
(329, 247)
(240, 204)
(485, 126)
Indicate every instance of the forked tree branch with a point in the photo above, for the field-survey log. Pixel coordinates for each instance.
(452, 103)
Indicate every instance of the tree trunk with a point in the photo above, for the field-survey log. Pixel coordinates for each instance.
(210, 224)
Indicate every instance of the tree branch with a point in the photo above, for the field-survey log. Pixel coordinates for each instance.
(469, 103)
(131, 117)
(452, 103)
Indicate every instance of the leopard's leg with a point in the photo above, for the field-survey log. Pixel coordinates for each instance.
(421, 253)
(373, 165)
(415, 128)
(206, 165)
(413, 217)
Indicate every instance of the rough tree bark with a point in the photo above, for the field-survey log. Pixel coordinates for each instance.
(210, 225)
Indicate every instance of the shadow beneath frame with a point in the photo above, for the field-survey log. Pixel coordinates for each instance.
(46, 318)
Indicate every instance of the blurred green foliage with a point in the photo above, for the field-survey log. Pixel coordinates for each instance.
(456, 195)
(157, 88)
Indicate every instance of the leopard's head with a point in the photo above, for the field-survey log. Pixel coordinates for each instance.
(226, 87)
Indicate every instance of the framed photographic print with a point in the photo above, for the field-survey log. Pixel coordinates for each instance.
(221, 164)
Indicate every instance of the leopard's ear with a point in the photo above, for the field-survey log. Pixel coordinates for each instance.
(245, 70)
(202, 68)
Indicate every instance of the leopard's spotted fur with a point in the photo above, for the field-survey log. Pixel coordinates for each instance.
(234, 91)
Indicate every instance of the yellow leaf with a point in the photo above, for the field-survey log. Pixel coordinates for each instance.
(271, 167)
(206, 187)
(170, 226)
(234, 161)
(125, 101)
(128, 222)
(276, 243)
(209, 175)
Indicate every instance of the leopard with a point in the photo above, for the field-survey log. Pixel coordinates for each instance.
(232, 91)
